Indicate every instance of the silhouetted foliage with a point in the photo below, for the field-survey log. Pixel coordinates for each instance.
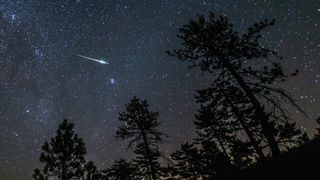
(215, 164)
(187, 162)
(317, 134)
(318, 120)
(242, 154)
(240, 62)
(140, 128)
(205, 162)
(64, 157)
(91, 172)
(224, 114)
(122, 170)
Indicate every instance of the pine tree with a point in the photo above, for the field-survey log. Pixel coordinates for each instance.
(91, 172)
(290, 136)
(215, 164)
(212, 44)
(64, 155)
(202, 161)
(224, 113)
(242, 155)
(140, 128)
(187, 162)
(122, 170)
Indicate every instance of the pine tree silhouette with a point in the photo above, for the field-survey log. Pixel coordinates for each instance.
(64, 156)
(212, 44)
(122, 170)
(92, 173)
(187, 162)
(224, 112)
(204, 161)
(140, 128)
(242, 155)
(215, 164)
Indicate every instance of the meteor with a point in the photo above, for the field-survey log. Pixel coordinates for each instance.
(92, 59)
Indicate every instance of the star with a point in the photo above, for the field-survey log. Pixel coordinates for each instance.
(42, 80)
(112, 81)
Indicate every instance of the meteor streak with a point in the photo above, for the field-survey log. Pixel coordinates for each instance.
(92, 59)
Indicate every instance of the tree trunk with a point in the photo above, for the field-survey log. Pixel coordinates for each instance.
(222, 146)
(63, 171)
(244, 125)
(266, 128)
(151, 169)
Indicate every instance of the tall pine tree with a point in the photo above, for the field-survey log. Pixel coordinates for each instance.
(212, 44)
(140, 128)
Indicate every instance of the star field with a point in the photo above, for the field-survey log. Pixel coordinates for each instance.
(42, 80)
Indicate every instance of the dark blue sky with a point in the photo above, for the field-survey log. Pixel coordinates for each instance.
(42, 81)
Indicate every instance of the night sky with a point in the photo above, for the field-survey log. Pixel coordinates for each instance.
(42, 81)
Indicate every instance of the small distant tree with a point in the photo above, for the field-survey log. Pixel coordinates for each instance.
(122, 170)
(140, 128)
(64, 156)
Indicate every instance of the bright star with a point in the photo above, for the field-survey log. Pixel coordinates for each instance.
(112, 81)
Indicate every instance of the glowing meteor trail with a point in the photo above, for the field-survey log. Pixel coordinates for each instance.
(92, 59)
